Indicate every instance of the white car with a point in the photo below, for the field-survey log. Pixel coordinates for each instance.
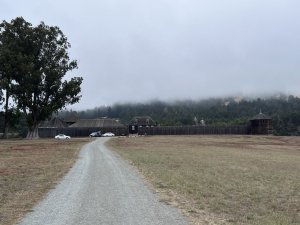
(96, 134)
(108, 134)
(62, 136)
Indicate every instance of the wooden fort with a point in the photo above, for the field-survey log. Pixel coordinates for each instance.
(261, 124)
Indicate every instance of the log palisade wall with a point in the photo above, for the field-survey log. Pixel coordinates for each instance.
(78, 131)
(159, 130)
(194, 130)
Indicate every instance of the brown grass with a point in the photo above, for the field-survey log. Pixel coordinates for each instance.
(28, 169)
(222, 179)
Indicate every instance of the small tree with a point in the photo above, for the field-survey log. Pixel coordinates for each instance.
(40, 61)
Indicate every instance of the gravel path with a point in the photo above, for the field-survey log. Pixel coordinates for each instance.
(101, 189)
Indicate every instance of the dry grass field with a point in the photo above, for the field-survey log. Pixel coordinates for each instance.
(28, 169)
(238, 180)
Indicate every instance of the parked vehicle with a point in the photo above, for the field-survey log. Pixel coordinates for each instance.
(62, 136)
(108, 134)
(96, 134)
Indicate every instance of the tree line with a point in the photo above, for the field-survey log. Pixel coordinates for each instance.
(284, 110)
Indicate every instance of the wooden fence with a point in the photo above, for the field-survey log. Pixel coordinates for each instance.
(78, 131)
(164, 130)
(194, 130)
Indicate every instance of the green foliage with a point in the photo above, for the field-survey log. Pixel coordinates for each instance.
(33, 62)
(15, 119)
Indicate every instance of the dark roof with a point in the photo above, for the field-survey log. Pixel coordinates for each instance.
(261, 116)
(71, 117)
(102, 122)
(53, 122)
(142, 121)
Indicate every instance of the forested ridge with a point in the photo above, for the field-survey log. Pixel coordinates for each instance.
(285, 111)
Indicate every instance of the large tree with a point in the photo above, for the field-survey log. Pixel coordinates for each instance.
(35, 59)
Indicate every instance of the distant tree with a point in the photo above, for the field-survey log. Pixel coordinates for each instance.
(35, 60)
(196, 121)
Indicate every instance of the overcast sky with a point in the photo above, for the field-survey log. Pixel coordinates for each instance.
(139, 50)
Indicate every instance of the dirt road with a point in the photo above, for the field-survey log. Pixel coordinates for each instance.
(101, 189)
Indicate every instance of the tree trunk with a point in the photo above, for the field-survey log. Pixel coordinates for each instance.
(5, 128)
(33, 132)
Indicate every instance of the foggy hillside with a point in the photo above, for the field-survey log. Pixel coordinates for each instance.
(285, 111)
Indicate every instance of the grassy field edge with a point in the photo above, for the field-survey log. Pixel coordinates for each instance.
(221, 179)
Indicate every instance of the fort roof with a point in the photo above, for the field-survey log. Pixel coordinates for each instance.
(261, 116)
(142, 121)
(101, 122)
(53, 122)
